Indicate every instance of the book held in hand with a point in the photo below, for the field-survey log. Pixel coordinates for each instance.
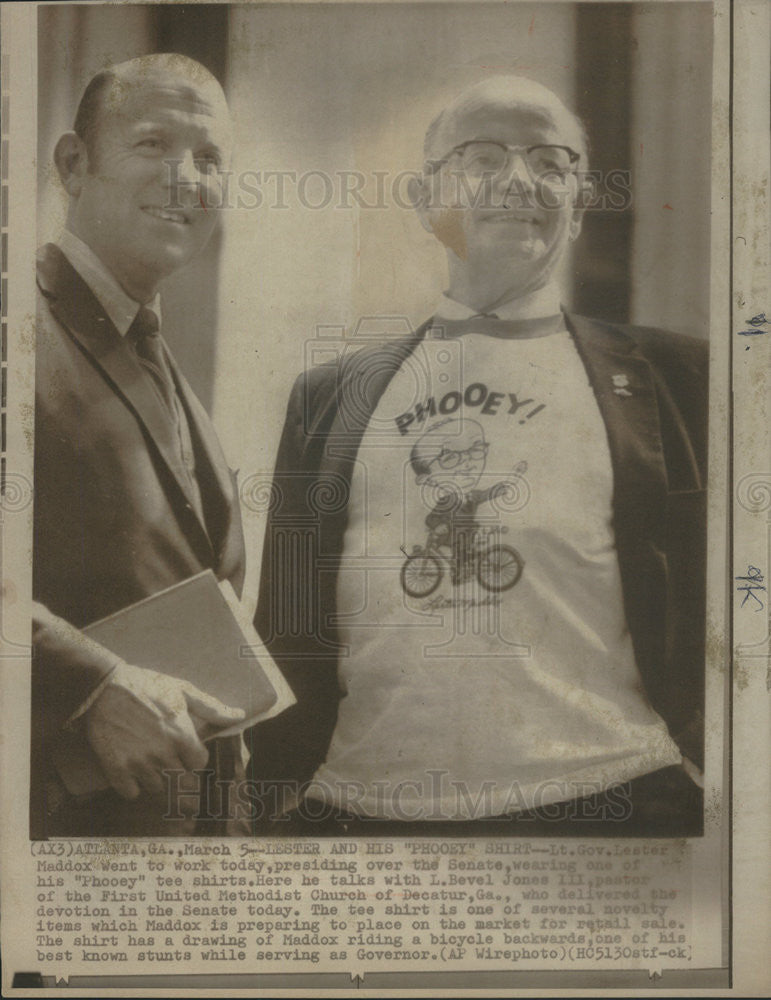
(197, 631)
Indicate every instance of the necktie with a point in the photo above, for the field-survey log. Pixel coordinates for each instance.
(151, 354)
(149, 350)
(491, 325)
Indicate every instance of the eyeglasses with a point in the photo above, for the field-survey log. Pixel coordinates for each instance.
(486, 158)
(450, 459)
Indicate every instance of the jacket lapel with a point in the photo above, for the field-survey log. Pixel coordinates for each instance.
(360, 384)
(335, 418)
(219, 491)
(78, 310)
(626, 394)
(632, 422)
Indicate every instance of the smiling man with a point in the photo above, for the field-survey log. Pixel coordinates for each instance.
(505, 213)
(541, 670)
(132, 492)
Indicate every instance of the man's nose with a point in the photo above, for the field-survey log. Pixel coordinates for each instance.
(516, 178)
(185, 170)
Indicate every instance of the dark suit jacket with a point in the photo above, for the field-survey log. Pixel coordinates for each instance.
(113, 521)
(658, 443)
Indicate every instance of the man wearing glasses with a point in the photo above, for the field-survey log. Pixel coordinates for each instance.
(559, 686)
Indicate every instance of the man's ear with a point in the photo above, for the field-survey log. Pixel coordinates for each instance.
(575, 224)
(419, 195)
(585, 195)
(71, 159)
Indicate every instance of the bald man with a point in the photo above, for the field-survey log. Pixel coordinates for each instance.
(132, 492)
(552, 682)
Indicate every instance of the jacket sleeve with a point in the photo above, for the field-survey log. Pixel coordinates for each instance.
(67, 667)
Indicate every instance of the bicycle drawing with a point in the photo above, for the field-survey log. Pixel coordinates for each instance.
(497, 567)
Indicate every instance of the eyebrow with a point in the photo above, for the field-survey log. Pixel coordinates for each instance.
(150, 126)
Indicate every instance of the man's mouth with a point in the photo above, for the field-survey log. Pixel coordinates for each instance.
(513, 215)
(168, 215)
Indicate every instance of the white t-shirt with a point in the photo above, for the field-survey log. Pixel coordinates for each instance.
(488, 666)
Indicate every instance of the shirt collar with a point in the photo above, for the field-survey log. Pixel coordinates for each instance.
(544, 302)
(119, 306)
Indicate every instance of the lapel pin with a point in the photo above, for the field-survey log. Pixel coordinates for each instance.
(620, 383)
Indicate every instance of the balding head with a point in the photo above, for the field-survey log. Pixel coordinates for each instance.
(499, 96)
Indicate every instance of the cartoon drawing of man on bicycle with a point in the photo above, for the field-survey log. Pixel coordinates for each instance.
(448, 461)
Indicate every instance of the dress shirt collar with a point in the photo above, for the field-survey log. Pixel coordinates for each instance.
(119, 306)
(544, 302)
